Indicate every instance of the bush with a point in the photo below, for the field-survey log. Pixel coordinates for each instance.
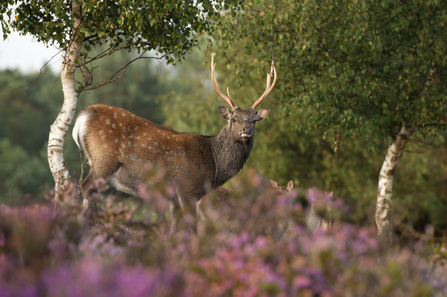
(113, 254)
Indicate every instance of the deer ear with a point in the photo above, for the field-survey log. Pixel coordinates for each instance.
(290, 186)
(261, 114)
(225, 112)
(274, 184)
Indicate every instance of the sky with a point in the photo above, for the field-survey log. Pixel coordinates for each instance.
(26, 54)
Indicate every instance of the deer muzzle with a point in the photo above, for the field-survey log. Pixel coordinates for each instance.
(246, 132)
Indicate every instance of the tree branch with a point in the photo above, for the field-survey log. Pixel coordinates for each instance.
(41, 71)
(121, 72)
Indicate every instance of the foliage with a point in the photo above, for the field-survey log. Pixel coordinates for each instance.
(351, 68)
(20, 173)
(282, 152)
(27, 108)
(115, 255)
(166, 27)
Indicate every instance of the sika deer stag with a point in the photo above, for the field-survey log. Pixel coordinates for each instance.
(119, 144)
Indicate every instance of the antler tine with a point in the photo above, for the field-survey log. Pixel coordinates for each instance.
(216, 87)
(268, 87)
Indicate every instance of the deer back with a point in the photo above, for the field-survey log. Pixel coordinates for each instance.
(113, 137)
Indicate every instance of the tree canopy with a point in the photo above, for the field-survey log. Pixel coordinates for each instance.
(165, 26)
(351, 67)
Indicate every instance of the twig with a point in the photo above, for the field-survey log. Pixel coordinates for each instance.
(120, 71)
(84, 164)
(41, 71)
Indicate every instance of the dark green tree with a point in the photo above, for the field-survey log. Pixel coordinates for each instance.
(373, 69)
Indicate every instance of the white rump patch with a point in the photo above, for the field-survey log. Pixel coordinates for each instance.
(79, 132)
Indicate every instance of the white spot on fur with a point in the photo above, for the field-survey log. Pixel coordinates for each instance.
(136, 128)
(100, 132)
(116, 140)
(130, 144)
(121, 124)
(143, 145)
(115, 116)
(108, 121)
(123, 114)
(110, 131)
(113, 126)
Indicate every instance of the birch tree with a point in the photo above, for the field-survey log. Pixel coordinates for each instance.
(76, 27)
(353, 68)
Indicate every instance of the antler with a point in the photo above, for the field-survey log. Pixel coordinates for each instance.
(268, 88)
(213, 80)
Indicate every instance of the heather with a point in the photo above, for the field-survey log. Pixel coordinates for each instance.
(125, 250)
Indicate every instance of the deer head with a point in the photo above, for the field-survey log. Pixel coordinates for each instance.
(242, 121)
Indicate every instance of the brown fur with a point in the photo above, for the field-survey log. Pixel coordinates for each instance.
(120, 145)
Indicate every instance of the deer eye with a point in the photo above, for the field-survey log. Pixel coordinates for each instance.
(233, 120)
(254, 122)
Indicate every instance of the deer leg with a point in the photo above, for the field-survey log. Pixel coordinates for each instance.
(189, 213)
(87, 188)
(123, 181)
(176, 214)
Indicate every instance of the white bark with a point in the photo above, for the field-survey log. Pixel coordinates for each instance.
(385, 187)
(59, 128)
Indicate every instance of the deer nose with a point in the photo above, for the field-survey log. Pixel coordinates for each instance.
(247, 130)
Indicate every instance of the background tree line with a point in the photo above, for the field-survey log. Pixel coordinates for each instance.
(182, 97)
(312, 114)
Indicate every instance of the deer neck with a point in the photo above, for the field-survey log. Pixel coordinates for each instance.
(229, 156)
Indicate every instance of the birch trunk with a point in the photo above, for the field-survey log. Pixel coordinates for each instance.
(59, 128)
(383, 206)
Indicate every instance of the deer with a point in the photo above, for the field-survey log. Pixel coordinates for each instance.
(121, 145)
(269, 214)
